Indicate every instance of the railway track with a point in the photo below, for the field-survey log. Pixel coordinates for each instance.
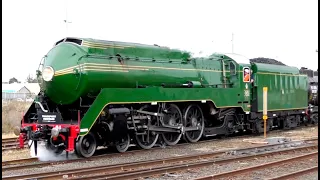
(11, 144)
(34, 162)
(297, 173)
(167, 165)
(9, 140)
(230, 174)
(19, 161)
(28, 163)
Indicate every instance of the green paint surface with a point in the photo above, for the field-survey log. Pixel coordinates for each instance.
(82, 70)
(112, 71)
(220, 97)
(287, 89)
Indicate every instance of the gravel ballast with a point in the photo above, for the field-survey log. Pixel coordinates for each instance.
(215, 169)
(220, 144)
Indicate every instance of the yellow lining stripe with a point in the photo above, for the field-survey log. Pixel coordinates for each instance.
(93, 69)
(101, 47)
(281, 74)
(124, 67)
(116, 70)
(98, 67)
(67, 69)
(63, 73)
(70, 69)
(157, 102)
(130, 66)
(103, 44)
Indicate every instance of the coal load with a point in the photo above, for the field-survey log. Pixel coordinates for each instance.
(308, 72)
(266, 61)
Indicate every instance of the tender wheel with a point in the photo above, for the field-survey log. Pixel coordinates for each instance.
(123, 144)
(193, 117)
(173, 117)
(148, 140)
(86, 145)
(259, 126)
(314, 118)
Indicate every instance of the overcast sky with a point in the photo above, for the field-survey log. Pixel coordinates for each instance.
(286, 30)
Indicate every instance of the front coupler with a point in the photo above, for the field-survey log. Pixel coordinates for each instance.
(54, 135)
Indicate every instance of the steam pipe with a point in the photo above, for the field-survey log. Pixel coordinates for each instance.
(42, 108)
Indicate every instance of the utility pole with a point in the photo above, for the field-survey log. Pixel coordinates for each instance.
(66, 20)
(232, 42)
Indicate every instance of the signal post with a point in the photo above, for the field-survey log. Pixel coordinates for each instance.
(265, 109)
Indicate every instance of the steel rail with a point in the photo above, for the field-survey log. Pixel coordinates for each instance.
(11, 143)
(5, 164)
(170, 169)
(35, 163)
(6, 140)
(47, 163)
(19, 161)
(258, 167)
(147, 171)
(295, 174)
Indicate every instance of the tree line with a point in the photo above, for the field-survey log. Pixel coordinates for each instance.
(30, 79)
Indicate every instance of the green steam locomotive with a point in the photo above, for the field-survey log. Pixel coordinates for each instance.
(115, 94)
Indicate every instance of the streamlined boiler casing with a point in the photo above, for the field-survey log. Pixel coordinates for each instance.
(83, 67)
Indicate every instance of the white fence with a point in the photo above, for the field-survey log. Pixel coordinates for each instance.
(17, 96)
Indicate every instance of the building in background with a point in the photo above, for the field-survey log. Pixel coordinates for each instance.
(20, 92)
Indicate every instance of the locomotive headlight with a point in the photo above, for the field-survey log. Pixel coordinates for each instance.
(47, 73)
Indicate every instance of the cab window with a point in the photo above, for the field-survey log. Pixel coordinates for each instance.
(246, 74)
(232, 68)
